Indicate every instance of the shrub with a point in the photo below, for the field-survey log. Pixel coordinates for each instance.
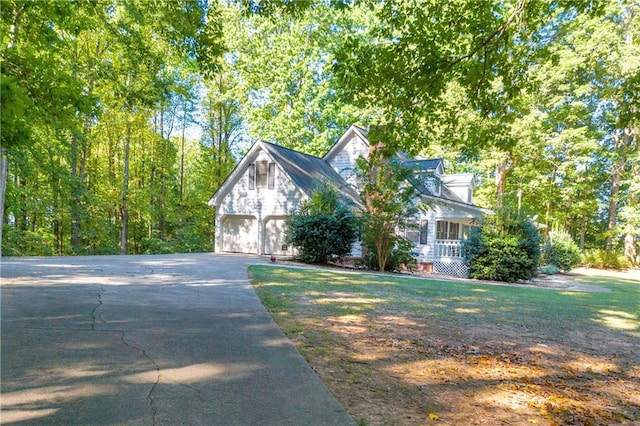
(17, 242)
(603, 259)
(561, 251)
(549, 269)
(505, 248)
(323, 228)
(321, 237)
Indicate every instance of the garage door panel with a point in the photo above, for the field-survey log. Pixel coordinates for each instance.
(275, 237)
(240, 234)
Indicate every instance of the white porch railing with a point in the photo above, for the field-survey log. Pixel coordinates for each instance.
(448, 248)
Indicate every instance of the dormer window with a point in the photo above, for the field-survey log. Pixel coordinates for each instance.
(433, 185)
(262, 174)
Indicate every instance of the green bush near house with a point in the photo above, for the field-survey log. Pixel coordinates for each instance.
(562, 251)
(323, 228)
(505, 248)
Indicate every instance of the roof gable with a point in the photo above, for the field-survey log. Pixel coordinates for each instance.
(344, 139)
(433, 165)
(236, 173)
(305, 171)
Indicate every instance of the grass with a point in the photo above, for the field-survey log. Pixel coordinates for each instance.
(334, 293)
(399, 350)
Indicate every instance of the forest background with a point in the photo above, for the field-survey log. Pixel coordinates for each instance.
(121, 118)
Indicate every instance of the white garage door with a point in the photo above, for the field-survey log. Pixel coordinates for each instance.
(274, 237)
(240, 234)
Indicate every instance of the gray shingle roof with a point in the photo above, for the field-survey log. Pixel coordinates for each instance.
(307, 171)
(423, 165)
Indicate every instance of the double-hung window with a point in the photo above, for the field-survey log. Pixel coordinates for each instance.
(262, 174)
(415, 232)
(447, 230)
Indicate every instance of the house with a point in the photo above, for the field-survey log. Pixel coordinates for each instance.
(270, 182)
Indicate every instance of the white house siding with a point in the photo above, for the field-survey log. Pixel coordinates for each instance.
(344, 161)
(261, 203)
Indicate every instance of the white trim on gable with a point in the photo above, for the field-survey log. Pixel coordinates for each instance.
(236, 173)
(346, 137)
(344, 154)
(258, 151)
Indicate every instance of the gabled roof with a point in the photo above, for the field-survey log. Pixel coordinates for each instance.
(345, 137)
(305, 171)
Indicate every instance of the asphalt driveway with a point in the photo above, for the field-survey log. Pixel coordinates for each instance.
(149, 340)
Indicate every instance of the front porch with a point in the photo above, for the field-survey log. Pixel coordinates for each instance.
(451, 249)
(443, 254)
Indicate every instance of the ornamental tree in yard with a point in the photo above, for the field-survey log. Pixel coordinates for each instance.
(388, 201)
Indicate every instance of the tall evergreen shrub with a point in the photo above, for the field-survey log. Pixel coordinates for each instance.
(323, 228)
(505, 248)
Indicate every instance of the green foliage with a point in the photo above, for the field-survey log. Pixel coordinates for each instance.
(505, 248)
(17, 242)
(560, 250)
(388, 202)
(604, 259)
(402, 254)
(323, 228)
(533, 93)
(81, 83)
(285, 78)
(549, 269)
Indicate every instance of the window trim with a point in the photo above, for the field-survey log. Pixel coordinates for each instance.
(420, 230)
(271, 175)
(268, 179)
(445, 232)
(423, 230)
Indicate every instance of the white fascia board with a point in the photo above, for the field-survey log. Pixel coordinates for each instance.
(472, 207)
(236, 173)
(338, 145)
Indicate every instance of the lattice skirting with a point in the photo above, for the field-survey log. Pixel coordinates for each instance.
(456, 269)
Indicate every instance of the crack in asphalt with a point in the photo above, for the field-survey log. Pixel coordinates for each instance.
(98, 317)
(95, 309)
(154, 409)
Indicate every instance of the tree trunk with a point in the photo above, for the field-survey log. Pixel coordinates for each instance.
(3, 186)
(75, 196)
(4, 165)
(502, 170)
(184, 125)
(124, 208)
(616, 180)
(631, 246)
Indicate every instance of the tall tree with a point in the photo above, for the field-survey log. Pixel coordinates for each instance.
(285, 78)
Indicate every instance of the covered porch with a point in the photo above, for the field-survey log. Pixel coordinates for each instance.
(442, 253)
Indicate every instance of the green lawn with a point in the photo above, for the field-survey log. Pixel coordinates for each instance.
(283, 289)
(563, 357)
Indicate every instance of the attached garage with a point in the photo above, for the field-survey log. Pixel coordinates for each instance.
(240, 234)
(274, 233)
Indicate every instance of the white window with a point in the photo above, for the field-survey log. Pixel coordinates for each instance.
(416, 232)
(447, 230)
(262, 174)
